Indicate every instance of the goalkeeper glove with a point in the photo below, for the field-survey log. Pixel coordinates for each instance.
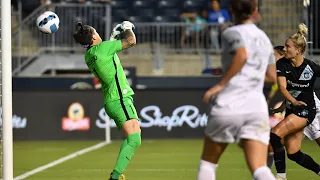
(115, 32)
(127, 25)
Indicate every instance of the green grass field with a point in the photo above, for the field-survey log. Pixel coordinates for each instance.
(155, 160)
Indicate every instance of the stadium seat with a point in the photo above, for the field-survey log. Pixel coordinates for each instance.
(120, 4)
(145, 12)
(142, 4)
(122, 13)
(168, 3)
(169, 12)
(139, 19)
(193, 4)
(160, 18)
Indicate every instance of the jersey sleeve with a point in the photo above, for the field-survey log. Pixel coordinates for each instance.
(316, 68)
(281, 68)
(111, 47)
(232, 40)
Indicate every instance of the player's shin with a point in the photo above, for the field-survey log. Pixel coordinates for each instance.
(207, 170)
(126, 152)
(279, 155)
(305, 161)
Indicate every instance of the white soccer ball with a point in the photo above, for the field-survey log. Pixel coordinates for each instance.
(48, 22)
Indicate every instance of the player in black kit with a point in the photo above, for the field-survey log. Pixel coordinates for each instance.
(296, 78)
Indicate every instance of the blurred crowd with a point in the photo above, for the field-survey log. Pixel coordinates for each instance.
(214, 14)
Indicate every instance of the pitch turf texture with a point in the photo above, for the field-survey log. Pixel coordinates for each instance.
(155, 160)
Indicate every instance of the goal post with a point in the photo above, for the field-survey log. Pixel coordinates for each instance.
(6, 90)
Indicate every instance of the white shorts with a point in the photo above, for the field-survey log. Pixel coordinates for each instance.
(312, 131)
(233, 128)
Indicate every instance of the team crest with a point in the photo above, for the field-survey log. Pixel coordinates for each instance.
(306, 74)
(304, 112)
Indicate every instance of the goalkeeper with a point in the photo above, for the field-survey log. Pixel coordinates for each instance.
(103, 62)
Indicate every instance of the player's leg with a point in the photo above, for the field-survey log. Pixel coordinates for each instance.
(317, 133)
(211, 154)
(126, 118)
(290, 124)
(255, 153)
(318, 141)
(316, 122)
(270, 160)
(270, 156)
(219, 132)
(293, 146)
(254, 136)
(312, 132)
(132, 142)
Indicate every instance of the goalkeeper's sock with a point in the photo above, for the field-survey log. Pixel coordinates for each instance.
(126, 152)
(124, 144)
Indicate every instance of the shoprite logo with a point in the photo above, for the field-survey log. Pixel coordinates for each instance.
(152, 116)
(75, 120)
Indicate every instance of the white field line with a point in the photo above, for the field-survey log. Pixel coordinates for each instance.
(61, 160)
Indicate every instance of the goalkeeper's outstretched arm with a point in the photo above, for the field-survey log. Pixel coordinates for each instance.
(129, 39)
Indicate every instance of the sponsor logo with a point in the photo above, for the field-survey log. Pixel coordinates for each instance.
(75, 120)
(151, 116)
(17, 121)
(297, 85)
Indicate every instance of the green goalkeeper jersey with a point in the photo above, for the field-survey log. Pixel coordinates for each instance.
(104, 63)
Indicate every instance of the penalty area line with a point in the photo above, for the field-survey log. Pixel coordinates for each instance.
(61, 160)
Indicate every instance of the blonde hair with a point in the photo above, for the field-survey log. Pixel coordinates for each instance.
(299, 38)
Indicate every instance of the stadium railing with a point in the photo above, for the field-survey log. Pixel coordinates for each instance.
(154, 38)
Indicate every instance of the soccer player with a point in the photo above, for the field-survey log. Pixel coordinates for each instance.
(312, 132)
(238, 110)
(103, 62)
(296, 77)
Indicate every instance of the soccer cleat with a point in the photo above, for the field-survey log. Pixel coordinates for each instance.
(280, 178)
(122, 177)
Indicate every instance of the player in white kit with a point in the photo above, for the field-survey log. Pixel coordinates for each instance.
(312, 131)
(238, 109)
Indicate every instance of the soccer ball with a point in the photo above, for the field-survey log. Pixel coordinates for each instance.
(48, 22)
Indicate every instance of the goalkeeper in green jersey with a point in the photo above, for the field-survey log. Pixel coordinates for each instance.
(103, 62)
